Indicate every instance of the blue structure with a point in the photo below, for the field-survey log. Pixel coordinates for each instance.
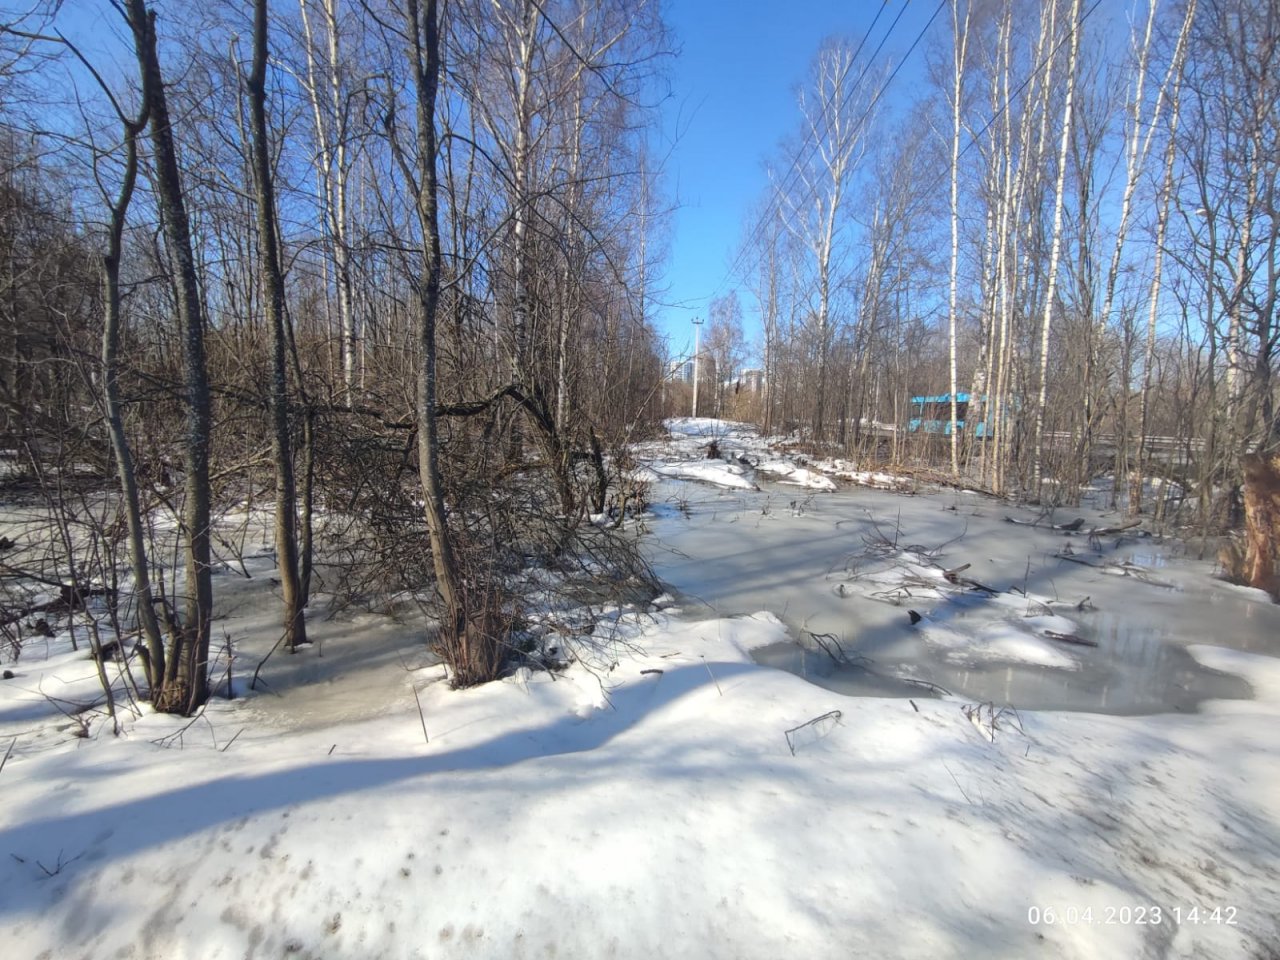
(933, 415)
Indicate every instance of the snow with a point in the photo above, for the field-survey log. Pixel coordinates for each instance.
(684, 455)
(716, 472)
(878, 479)
(1156, 491)
(647, 814)
(788, 472)
(646, 801)
(1008, 641)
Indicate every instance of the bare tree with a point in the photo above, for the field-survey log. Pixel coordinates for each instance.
(186, 682)
(466, 634)
(835, 123)
(286, 494)
(330, 112)
(724, 344)
(1056, 248)
(114, 409)
(960, 47)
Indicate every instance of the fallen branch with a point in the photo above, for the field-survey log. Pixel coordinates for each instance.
(1104, 531)
(977, 585)
(1070, 638)
(1070, 527)
(1119, 569)
(1076, 558)
(830, 645)
(834, 715)
(926, 685)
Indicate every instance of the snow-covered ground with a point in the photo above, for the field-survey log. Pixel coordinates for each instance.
(739, 455)
(666, 795)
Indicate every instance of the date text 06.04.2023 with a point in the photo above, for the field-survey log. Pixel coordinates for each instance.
(1130, 916)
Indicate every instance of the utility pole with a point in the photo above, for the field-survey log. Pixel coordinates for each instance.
(697, 329)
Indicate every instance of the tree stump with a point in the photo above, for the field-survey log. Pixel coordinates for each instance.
(1261, 521)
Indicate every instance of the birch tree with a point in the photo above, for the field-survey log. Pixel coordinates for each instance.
(835, 124)
(1056, 245)
(330, 115)
(960, 46)
(1164, 201)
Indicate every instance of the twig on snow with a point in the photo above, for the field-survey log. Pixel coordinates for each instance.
(711, 675)
(957, 783)
(834, 715)
(421, 715)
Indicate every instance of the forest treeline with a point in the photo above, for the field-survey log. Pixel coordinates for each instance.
(379, 267)
(1072, 224)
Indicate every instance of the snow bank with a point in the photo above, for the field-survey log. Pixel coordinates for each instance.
(645, 804)
(788, 472)
(846, 470)
(1005, 641)
(716, 472)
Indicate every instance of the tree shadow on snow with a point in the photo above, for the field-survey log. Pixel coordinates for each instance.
(112, 831)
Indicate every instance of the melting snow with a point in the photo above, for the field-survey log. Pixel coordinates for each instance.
(662, 796)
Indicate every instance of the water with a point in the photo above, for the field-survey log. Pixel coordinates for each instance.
(733, 553)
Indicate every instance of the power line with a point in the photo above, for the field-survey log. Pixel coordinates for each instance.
(804, 155)
(772, 208)
(805, 150)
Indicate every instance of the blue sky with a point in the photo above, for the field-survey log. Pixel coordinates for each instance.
(733, 98)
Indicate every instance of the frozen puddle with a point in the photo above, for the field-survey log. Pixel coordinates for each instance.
(1130, 672)
(1103, 631)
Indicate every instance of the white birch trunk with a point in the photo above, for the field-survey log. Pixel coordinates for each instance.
(1055, 250)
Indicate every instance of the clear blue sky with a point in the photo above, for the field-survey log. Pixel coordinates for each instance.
(733, 98)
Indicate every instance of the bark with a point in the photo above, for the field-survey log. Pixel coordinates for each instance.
(286, 516)
(333, 170)
(466, 636)
(139, 563)
(1056, 247)
(1162, 226)
(186, 680)
(1262, 521)
(960, 41)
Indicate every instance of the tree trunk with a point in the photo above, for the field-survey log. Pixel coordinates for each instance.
(1055, 249)
(960, 42)
(333, 169)
(466, 639)
(139, 564)
(286, 519)
(186, 682)
(1262, 521)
